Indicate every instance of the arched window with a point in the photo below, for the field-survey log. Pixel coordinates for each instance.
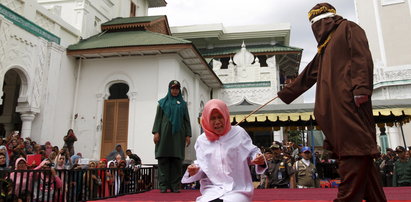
(9, 118)
(118, 91)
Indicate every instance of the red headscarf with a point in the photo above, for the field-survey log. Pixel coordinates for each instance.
(221, 107)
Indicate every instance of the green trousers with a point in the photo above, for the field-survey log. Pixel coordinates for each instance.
(169, 172)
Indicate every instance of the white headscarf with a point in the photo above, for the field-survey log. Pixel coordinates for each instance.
(6, 154)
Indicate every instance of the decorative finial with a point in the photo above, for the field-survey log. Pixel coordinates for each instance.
(243, 45)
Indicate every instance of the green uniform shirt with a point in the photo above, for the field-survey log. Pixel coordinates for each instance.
(170, 145)
(402, 172)
(305, 175)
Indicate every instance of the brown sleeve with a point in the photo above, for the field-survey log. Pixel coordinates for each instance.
(302, 83)
(361, 61)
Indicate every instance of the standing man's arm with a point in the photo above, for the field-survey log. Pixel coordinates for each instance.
(361, 64)
(302, 83)
(293, 183)
(292, 173)
(157, 125)
(293, 177)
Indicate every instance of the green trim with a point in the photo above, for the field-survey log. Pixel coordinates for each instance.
(392, 83)
(263, 48)
(27, 24)
(248, 84)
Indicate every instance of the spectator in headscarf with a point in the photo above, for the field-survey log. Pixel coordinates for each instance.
(49, 148)
(122, 173)
(3, 149)
(49, 178)
(52, 157)
(69, 140)
(3, 165)
(114, 180)
(113, 154)
(103, 190)
(20, 179)
(91, 179)
(36, 149)
(60, 162)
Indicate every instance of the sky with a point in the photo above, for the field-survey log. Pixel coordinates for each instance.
(247, 12)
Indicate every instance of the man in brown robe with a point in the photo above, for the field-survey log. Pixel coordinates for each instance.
(343, 71)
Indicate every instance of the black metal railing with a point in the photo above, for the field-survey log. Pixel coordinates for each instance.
(75, 184)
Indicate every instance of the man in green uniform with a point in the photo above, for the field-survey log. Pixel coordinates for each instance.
(402, 169)
(171, 132)
(279, 170)
(305, 172)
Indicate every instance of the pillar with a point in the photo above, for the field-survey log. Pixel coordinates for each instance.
(27, 119)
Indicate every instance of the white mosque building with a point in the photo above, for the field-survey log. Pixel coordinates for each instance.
(100, 66)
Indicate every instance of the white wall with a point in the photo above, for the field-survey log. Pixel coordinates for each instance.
(369, 21)
(48, 73)
(59, 108)
(388, 27)
(396, 26)
(51, 78)
(82, 14)
(148, 78)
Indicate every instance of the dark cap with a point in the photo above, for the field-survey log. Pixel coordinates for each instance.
(400, 149)
(174, 83)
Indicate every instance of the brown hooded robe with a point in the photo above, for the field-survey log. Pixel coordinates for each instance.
(342, 69)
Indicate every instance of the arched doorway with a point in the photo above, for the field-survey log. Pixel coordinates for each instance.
(115, 119)
(10, 119)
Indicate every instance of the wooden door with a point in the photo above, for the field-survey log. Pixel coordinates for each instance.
(115, 125)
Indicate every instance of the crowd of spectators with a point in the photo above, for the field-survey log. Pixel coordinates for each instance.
(30, 170)
(284, 172)
(395, 167)
(26, 166)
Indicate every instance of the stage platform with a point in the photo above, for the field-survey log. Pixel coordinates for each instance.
(394, 194)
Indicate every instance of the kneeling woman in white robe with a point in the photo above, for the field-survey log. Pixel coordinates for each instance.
(224, 153)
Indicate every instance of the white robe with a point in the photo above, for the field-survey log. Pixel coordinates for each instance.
(224, 167)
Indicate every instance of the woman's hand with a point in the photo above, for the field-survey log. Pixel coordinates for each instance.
(192, 169)
(259, 160)
(156, 138)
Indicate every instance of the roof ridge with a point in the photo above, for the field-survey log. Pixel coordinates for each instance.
(168, 36)
(135, 17)
(116, 39)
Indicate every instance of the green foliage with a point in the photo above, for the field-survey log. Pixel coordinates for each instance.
(295, 136)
